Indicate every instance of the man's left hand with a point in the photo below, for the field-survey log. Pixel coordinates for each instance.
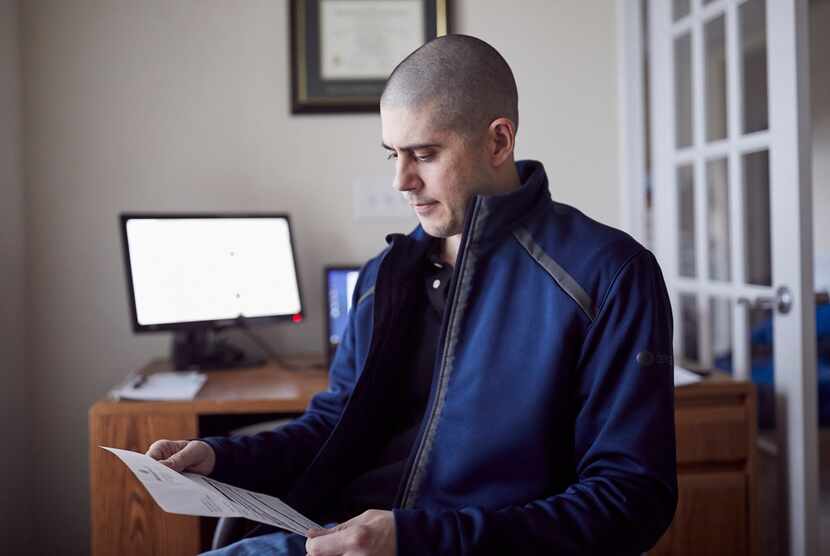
(372, 533)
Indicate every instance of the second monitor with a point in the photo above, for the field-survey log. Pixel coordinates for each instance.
(340, 282)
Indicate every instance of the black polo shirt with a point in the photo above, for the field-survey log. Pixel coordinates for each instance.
(377, 488)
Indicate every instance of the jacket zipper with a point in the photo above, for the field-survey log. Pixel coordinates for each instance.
(415, 471)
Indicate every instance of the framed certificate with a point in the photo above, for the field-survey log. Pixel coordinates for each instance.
(342, 51)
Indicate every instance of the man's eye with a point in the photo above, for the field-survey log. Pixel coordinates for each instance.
(424, 157)
(392, 155)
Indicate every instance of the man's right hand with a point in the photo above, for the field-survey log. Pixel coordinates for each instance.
(193, 456)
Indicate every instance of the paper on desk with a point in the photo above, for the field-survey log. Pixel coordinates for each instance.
(192, 494)
(685, 376)
(162, 387)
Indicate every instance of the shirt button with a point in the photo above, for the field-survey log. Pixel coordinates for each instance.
(436, 284)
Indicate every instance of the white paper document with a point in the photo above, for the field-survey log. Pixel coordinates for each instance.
(161, 386)
(192, 494)
(684, 376)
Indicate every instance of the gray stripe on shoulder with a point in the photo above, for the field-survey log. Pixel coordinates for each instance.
(366, 294)
(559, 274)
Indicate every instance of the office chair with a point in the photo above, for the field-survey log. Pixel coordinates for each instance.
(231, 529)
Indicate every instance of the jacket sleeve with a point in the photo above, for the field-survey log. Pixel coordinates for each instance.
(625, 492)
(272, 461)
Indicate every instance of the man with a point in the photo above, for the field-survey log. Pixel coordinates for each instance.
(505, 382)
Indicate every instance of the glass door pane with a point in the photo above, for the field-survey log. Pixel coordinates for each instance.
(717, 186)
(762, 355)
(714, 40)
(686, 221)
(752, 22)
(720, 329)
(680, 9)
(690, 330)
(683, 90)
(757, 222)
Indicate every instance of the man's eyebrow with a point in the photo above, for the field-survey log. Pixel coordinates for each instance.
(412, 147)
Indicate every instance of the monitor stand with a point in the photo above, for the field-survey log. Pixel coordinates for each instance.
(196, 349)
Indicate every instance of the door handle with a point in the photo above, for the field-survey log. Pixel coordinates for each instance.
(782, 301)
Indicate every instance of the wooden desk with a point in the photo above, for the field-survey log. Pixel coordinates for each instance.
(717, 511)
(715, 421)
(124, 519)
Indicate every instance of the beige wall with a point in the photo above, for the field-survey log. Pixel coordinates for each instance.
(563, 54)
(14, 455)
(820, 105)
(159, 105)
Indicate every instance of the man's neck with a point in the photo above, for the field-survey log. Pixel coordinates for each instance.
(449, 249)
(507, 180)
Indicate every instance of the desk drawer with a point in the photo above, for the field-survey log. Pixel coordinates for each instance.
(711, 517)
(712, 434)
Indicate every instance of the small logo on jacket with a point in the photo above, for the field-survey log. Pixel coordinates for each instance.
(646, 359)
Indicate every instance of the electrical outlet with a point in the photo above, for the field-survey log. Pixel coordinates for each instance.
(374, 198)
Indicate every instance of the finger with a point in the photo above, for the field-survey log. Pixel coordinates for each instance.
(335, 543)
(319, 532)
(154, 451)
(316, 532)
(183, 458)
(353, 521)
(161, 449)
(170, 447)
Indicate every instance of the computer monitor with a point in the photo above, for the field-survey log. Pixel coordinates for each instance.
(196, 273)
(340, 281)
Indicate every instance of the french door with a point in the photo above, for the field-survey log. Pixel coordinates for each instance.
(732, 210)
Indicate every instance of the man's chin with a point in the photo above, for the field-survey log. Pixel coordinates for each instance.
(432, 229)
(438, 231)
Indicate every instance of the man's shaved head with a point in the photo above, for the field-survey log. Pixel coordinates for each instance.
(465, 82)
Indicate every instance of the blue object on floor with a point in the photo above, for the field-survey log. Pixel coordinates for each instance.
(763, 370)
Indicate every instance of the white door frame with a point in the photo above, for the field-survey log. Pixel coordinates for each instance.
(787, 33)
(631, 110)
(787, 36)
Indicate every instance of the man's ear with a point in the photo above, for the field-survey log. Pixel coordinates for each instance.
(502, 140)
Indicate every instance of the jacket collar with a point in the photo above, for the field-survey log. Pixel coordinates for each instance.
(498, 214)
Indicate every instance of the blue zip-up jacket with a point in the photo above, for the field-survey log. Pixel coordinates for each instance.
(550, 423)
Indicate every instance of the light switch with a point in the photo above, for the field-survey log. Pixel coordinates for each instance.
(374, 198)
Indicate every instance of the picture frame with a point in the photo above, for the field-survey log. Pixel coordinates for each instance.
(342, 51)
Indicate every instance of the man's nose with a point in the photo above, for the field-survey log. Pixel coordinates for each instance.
(406, 179)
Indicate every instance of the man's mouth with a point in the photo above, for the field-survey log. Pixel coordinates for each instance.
(423, 208)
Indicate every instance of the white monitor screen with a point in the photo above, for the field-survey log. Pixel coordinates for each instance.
(211, 269)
